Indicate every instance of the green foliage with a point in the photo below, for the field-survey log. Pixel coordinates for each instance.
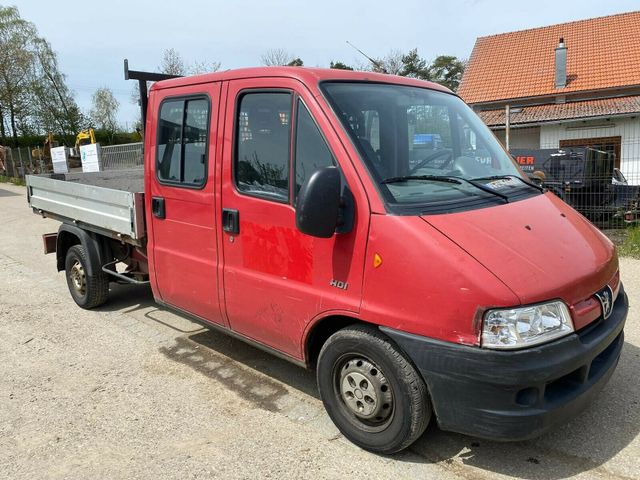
(104, 111)
(104, 137)
(340, 66)
(16, 181)
(631, 245)
(415, 66)
(447, 70)
(34, 98)
(296, 62)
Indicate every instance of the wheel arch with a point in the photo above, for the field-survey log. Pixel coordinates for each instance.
(320, 331)
(70, 235)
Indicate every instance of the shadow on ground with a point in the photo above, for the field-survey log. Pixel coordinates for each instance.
(598, 434)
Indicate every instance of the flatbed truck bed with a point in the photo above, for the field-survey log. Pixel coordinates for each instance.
(108, 203)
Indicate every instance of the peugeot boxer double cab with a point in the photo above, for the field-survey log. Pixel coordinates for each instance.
(364, 225)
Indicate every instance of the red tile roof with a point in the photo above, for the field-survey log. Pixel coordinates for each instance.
(602, 53)
(564, 111)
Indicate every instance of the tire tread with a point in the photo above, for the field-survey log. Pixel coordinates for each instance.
(420, 404)
(97, 284)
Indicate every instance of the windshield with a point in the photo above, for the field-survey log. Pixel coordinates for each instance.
(412, 139)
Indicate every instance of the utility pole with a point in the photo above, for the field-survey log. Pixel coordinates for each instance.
(507, 125)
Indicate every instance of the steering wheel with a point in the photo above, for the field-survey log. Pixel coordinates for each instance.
(431, 158)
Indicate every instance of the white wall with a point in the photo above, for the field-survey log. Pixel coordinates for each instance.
(627, 128)
(521, 137)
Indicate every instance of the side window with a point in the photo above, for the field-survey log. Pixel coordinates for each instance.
(170, 140)
(182, 141)
(312, 152)
(263, 132)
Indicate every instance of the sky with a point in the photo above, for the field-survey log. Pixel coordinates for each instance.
(92, 38)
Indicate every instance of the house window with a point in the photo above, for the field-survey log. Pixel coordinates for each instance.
(605, 144)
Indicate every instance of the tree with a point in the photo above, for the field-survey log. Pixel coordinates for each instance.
(172, 63)
(54, 104)
(391, 63)
(296, 62)
(415, 66)
(33, 95)
(204, 66)
(104, 111)
(16, 59)
(340, 66)
(447, 70)
(277, 57)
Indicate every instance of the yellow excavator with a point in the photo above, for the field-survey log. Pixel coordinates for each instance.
(45, 151)
(85, 137)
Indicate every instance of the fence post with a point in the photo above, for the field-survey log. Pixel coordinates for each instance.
(21, 165)
(13, 163)
(30, 159)
(41, 161)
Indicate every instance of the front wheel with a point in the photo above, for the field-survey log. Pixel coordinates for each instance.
(88, 291)
(371, 390)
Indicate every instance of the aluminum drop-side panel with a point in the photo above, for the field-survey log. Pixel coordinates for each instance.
(107, 208)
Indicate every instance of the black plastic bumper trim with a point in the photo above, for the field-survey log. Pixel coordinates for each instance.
(516, 395)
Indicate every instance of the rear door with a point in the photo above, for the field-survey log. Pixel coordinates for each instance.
(181, 182)
(277, 279)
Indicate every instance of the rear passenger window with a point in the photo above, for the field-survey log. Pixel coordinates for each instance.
(183, 131)
(312, 152)
(263, 130)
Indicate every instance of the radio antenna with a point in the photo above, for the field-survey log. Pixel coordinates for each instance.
(374, 62)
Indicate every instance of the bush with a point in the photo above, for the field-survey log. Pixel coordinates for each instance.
(631, 245)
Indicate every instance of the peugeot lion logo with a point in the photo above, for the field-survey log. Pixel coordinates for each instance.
(606, 300)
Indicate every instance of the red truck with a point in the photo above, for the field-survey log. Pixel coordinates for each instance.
(366, 226)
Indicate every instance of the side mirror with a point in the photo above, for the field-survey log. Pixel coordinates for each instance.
(318, 203)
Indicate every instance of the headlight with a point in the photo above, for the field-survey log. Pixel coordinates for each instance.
(525, 326)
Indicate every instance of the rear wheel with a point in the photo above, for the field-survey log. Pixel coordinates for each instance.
(88, 291)
(371, 390)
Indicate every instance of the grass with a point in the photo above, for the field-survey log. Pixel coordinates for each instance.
(14, 180)
(630, 247)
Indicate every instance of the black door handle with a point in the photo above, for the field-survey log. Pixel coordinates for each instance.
(157, 207)
(230, 220)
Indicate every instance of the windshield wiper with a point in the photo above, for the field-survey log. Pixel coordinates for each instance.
(435, 178)
(447, 179)
(506, 177)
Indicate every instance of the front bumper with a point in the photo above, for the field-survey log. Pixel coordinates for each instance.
(517, 395)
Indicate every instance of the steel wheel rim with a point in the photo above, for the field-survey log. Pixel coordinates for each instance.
(78, 278)
(364, 393)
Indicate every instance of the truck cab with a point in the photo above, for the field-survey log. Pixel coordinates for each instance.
(372, 228)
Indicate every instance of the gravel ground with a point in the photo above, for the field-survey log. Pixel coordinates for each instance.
(133, 391)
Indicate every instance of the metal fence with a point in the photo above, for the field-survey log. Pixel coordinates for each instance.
(122, 157)
(18, 162)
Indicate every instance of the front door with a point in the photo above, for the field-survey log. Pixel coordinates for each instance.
(277, 279)
(181, 184)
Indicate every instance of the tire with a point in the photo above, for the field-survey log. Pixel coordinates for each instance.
(399, 410)
(88, 291)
